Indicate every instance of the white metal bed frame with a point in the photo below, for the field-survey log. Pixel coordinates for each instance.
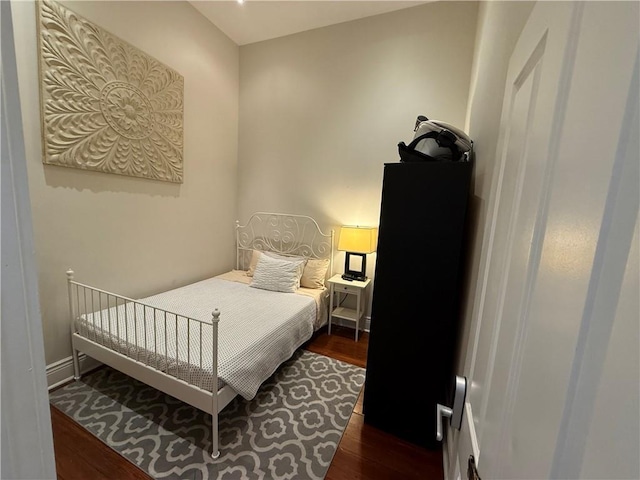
(281, 233)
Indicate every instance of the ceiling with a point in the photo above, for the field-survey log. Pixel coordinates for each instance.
(258, 20)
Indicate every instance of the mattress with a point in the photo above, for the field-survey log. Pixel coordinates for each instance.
(258, 330)
(320, 296)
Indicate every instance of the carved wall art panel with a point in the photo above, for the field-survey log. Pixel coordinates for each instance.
(106, 105)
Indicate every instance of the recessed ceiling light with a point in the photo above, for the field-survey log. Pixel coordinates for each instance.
(240, 2)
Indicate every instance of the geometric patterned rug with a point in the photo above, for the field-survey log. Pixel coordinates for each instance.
(289, 430)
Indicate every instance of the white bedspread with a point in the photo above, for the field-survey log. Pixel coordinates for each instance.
(258, 330)
(319, 295)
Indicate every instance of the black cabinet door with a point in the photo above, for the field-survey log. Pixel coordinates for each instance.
(415, 310)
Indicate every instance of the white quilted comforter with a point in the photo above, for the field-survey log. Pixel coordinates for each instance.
(258, 330)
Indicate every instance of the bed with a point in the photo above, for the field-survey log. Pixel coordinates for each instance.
(207, 342)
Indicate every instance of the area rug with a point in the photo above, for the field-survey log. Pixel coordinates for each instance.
(290, 430)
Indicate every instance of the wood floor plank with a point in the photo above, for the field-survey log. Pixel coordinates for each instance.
(364, 452)
(81, 456)
(340, 345)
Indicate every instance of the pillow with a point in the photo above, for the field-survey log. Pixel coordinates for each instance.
(255, 256)
(276, 275)
(314, 273)
(301, 261)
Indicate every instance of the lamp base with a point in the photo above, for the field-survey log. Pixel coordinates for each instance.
(351, 277)
(352, 274)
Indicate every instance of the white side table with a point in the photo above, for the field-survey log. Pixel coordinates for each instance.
(341, 287)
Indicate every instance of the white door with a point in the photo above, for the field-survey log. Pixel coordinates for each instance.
(564, 210)
(26, 441)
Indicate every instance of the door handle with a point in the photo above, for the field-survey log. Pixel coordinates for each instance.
(454, 414)
(441, 411)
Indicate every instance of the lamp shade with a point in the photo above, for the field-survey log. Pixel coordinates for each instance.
(358, 239)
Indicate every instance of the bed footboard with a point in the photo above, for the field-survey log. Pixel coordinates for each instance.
(173, 353)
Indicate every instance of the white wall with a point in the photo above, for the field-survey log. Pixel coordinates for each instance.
(129, 235)
(322, 111)
(499, 26)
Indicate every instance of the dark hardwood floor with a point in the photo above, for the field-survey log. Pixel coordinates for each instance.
(81, 456)
(364, 452)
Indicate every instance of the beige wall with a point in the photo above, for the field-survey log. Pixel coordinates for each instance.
(322, 111)
(136, 236)
(499, 26)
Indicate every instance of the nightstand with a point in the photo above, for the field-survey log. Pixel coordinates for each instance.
(342, 288)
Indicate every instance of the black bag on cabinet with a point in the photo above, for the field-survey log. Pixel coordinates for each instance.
(436, 141)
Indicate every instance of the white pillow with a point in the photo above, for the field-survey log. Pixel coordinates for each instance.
(300, 261)
(276, 275)
(255, 256)
(314, 273)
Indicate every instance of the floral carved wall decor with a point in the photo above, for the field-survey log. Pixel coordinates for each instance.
(106, 105)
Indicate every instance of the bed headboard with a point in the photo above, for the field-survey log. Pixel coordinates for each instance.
(284, 234)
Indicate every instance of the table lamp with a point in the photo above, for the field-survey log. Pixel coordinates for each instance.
(357, 242)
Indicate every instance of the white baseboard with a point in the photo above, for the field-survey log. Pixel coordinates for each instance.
(61, 372)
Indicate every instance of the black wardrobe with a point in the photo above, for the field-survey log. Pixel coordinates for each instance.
(416, 297)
